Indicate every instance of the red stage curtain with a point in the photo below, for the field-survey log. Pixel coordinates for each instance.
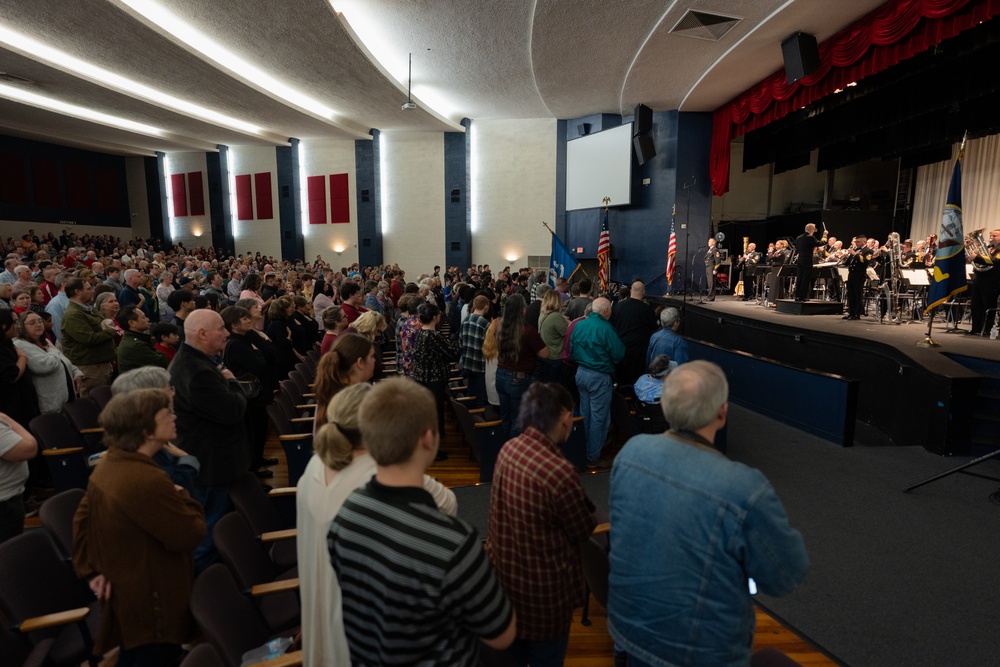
(13, 179)
(895, 31)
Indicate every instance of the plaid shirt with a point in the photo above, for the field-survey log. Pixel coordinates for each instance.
(473, 335)
(539, 517)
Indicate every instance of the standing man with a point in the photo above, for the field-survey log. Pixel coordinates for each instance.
(136, 347)
(667, 341)
(713, 260)
(472, 336)
(424, 594)
(85, 340)
(635, 322)
(596, 348)
(539, 518)
(986, 284)
(805, 247)
(577, 306)
(209, 403)
(748, 272)
(114, 280)
(352, 297)
(689, 528)
(857, 264)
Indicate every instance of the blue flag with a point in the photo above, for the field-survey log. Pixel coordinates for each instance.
(561, 262)
(949, 259)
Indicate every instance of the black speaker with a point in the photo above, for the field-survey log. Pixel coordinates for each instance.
(643, 119)
(583, 129)
(801, 55)
(644, 148)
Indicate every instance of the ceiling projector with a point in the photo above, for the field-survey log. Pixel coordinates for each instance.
(408, 105)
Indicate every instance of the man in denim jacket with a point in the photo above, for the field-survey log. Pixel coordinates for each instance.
(688, 529)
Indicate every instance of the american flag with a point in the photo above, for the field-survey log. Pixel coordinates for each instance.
(604, 254)
(672, 249)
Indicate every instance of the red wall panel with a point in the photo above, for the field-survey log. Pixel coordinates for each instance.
(262, 191)
(108, 199)
(13, 179)
(45, 173)
(340, 200)
(244, 198)
(196, 192)
(317, 199)
(178, 193)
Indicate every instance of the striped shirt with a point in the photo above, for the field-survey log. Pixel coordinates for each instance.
(417, 586)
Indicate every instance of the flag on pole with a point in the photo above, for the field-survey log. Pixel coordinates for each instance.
(561, 262)
(672, 248)
(949, 259)
(604, 254)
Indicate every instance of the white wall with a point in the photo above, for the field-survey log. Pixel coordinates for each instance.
(322, 158)
(747, 196)
(513, 188)
(413, 200)
(255, 235)
(192, 231)
(18, 228)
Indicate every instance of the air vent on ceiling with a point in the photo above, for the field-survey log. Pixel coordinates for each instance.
(13, 78)
(703, 25)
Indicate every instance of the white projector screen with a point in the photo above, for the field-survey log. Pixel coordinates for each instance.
(599, 166)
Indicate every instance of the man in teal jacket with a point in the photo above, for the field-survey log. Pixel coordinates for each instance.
(596, 348)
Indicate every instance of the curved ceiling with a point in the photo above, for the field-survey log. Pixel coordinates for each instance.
(333, 71)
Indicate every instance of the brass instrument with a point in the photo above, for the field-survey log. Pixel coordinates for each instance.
(739, 289)
(891, 286)
(975, 246)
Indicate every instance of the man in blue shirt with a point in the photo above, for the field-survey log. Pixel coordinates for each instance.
(667, 341)
(688, 529)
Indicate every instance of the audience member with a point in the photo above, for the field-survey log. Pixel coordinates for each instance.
(351, 360)
(688, 529)
(17, 447)
(136, 349)
(433, 355)
(519, 347)
(596, 348)
(86, 341)
(339, 466)
(134, 533)
(181, 302)
(552, 328)
(539, 517)
(667, 341)
(55, 378)
(210, 405)
(473, 362)
(635, 322)
(165, 339)
(434, 573)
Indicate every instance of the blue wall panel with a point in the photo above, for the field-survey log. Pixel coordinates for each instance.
(367, 160)
(289, 218)
(218, 199)
(457, 223)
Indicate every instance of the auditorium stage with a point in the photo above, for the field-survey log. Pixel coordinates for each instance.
(906, 394)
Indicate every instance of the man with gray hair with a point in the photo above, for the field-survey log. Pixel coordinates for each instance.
(596, 348)
(693, 536)
(667, 341)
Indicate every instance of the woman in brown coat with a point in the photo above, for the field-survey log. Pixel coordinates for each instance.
(134, 535)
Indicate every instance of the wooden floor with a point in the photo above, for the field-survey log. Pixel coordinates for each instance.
(588, 646)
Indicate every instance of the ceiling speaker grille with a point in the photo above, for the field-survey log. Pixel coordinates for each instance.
(703, 25)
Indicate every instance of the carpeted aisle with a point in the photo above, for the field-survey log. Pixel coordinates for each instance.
(896, 579)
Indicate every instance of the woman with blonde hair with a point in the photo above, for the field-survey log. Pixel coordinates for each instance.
(340, 464)
(371, 325)
(552, 326)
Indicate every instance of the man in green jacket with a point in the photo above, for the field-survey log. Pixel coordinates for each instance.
(596, 348)
(86, 341)
(136, 349)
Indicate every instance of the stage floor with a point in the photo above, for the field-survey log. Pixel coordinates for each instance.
(901, 336)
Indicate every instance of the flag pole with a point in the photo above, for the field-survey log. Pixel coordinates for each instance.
(583, 270)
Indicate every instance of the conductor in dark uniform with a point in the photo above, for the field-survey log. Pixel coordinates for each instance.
(985, 284)
(713, 259)
(805, 246)
(857, 265)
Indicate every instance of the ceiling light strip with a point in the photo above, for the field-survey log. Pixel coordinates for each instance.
(49, 104)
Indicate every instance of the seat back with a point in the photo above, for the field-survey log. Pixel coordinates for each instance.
(56, 515)
(54, 431)
(575, 447)
(490, 438)
(254, 506)
(227, 619)
(63, 450)
(82, 414)
(245, 557)
(596, 569)
(296, 441)
(203, 655)
(301, 383)
(465, 423)
(100, 395)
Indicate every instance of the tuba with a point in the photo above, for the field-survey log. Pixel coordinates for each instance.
(975, 246)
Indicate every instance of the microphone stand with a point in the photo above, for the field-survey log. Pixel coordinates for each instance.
(687, 238)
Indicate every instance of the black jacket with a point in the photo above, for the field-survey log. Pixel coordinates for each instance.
(243, 360)
(209, 417)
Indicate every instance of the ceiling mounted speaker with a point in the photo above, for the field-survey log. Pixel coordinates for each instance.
(643, 119)
(801, 55)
